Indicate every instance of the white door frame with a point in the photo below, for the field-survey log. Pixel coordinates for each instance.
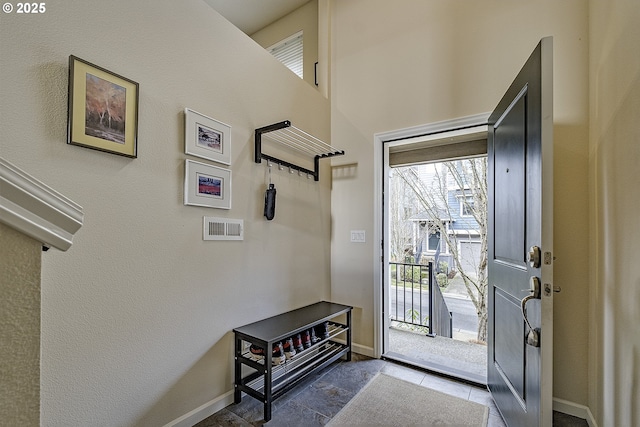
(437, 133)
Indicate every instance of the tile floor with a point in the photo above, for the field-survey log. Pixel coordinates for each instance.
(317, 399)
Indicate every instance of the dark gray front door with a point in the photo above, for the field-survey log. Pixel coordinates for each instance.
(520, 213)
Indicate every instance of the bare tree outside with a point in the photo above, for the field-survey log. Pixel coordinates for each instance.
(432, 193)
(402, 201)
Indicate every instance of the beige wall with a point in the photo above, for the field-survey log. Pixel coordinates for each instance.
(615, 201)
(413, 62)
(137, 315)
(304, 18)
(19, 328)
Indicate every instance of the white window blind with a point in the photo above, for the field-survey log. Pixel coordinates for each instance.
(289, 52)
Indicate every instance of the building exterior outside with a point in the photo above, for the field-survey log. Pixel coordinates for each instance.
(436, 202)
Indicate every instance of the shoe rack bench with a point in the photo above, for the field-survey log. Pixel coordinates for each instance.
(266, 382)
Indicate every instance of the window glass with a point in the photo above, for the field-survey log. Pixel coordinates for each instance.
(289, 52)
(434, 240)
(466, 206)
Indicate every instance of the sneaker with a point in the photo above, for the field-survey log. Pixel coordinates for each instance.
(289, 349)
(314, 337)
(297, 342)
(256, 353)
(277, 357)
(322, 330)
(306, 339)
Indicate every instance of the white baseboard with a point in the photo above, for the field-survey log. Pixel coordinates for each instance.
(357, 348)
(219, 403)
(203, 411)
(575, 409)
(361, 349)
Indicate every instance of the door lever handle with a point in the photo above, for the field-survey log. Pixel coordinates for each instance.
(533, 337)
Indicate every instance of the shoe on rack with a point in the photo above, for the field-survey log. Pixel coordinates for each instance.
(306, 339)
(277, 357)
(289, 349)
(256, 353)
(297, 343)
(314, 337)
(322, 330)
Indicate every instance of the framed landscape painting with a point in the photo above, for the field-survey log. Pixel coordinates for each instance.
(206, 185)
(103, 109)
(207, 138)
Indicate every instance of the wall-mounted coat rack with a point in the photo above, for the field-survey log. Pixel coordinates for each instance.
(300, 141)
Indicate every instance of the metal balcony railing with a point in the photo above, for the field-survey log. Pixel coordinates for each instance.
(416, 298)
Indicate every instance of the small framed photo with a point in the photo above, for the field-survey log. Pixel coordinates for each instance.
(103, 109)
(207, 185)
(207, 138)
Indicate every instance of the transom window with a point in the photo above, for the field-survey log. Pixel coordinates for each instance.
(289, 52)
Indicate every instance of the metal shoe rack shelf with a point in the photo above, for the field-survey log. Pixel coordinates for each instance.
(265, 382)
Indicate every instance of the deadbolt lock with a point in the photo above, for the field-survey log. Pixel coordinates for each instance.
(534, 256)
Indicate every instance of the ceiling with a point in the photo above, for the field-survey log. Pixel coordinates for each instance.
(253, 15)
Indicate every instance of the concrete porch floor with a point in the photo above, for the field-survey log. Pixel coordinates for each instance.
(452, 357)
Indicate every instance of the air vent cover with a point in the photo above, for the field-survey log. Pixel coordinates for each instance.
(222, 229)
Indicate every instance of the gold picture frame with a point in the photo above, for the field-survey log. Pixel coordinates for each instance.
(103, 109)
